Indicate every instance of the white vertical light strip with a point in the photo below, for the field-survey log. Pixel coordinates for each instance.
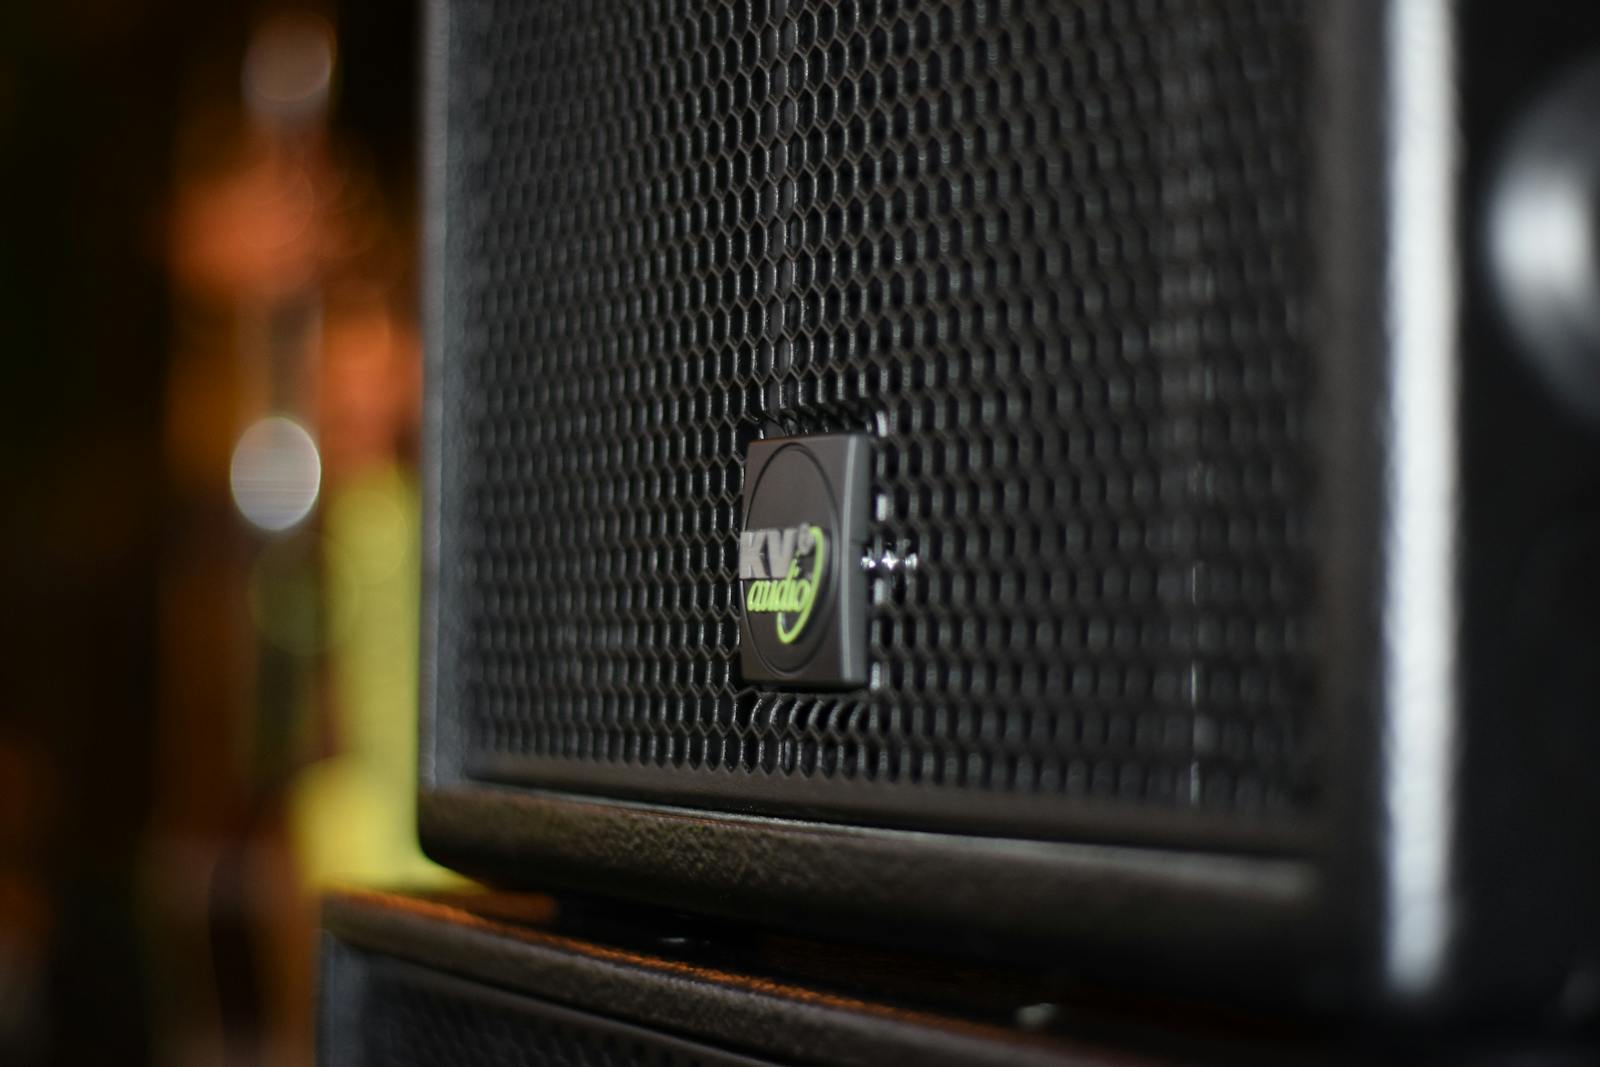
(1420, 591)
(431, 765)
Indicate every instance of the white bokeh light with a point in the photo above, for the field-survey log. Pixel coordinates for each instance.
(288, 67)
(276, 473)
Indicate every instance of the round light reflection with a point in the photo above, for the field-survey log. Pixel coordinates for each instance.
(276, 473)
(288, 67)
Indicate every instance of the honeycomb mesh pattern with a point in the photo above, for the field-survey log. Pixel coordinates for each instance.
(1051, 256)
(429, 1021)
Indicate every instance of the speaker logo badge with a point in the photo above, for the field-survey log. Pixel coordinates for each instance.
(766, 554)
(802, 591)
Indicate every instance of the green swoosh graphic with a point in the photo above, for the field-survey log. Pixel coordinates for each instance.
(787, 634)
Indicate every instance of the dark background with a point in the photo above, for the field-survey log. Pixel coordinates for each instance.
(109, 110)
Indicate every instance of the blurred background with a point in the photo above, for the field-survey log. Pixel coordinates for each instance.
(207, 698)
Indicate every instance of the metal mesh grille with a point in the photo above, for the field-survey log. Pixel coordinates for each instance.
(1049, 254)
(410, 1017)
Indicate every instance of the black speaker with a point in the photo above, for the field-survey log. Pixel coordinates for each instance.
(1082, 480)
(493, 980)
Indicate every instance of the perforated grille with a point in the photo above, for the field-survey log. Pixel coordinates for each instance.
(1051, 255)
(411, 1017)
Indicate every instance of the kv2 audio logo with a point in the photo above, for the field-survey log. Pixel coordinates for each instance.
(802, 600)
(783, 569)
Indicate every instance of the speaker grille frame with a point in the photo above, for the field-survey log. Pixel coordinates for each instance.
(1130, 766)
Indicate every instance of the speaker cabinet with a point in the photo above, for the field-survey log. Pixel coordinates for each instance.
(498, 980)
(1054, 478)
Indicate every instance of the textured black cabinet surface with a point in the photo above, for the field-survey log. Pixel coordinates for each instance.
(522, 979)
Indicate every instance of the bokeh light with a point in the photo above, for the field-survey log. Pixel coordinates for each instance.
(276, 474)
